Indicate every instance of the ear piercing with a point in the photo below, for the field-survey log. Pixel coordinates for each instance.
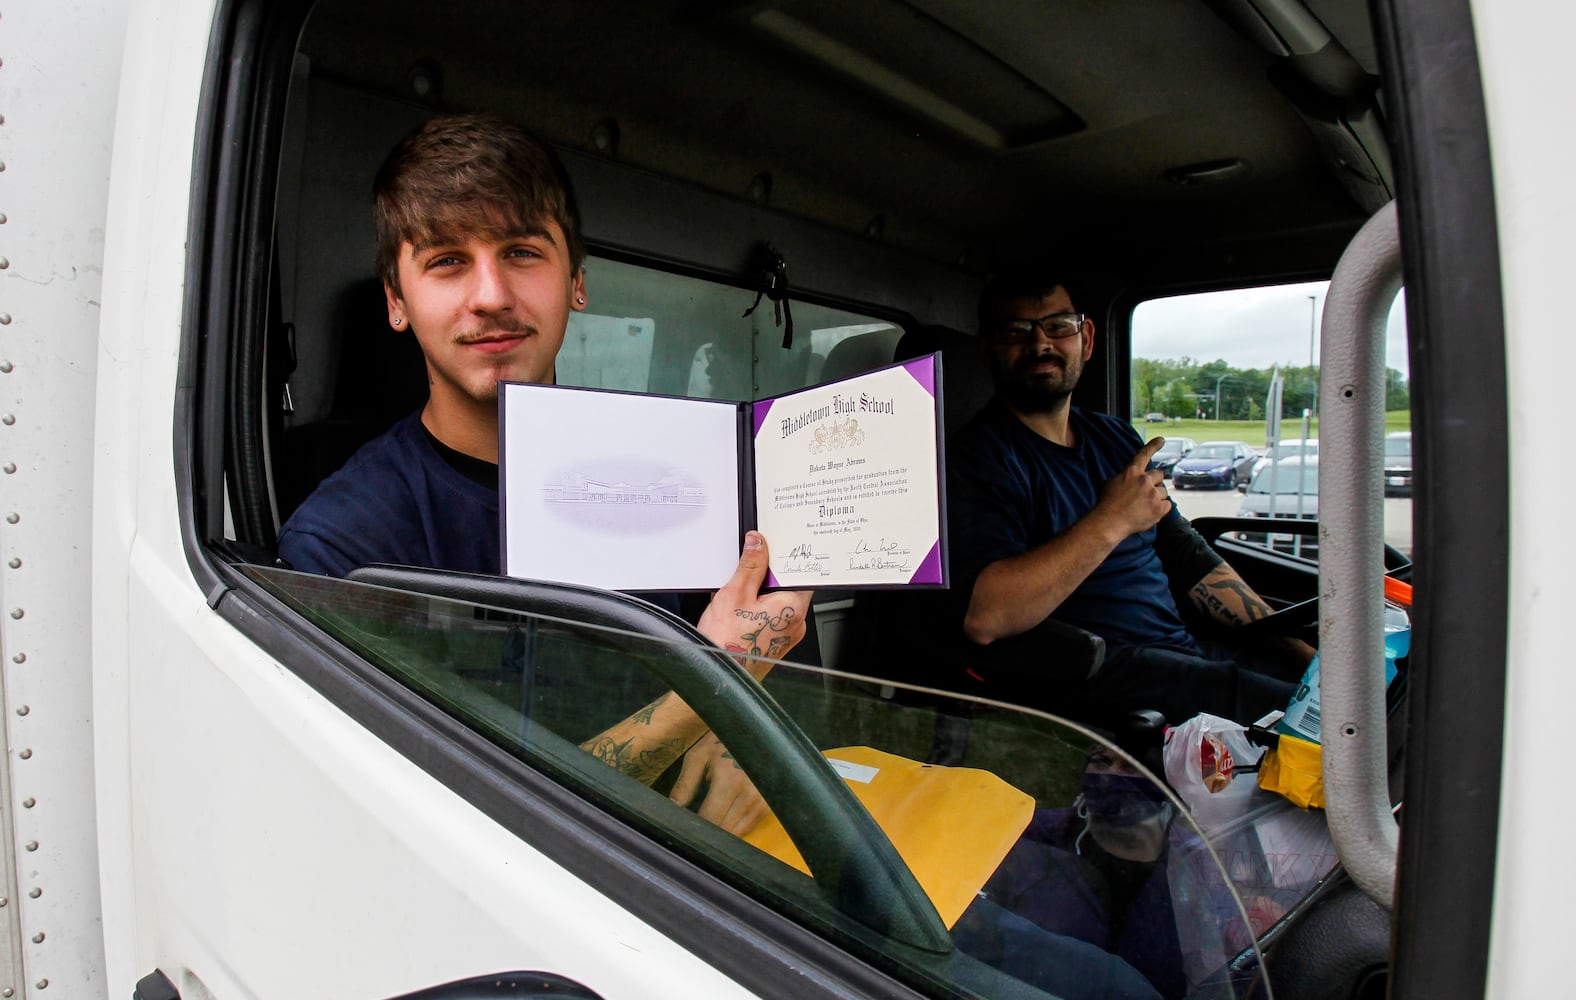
(399, 321)
(580, 300)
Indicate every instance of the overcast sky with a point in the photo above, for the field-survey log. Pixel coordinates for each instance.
(1247, 328)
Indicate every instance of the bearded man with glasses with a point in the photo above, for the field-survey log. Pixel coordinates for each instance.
(1054, 512)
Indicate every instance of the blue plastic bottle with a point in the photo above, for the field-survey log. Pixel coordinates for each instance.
(1302, 714)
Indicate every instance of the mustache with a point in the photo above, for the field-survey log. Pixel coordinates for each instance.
(506, 325)
(1026, 363)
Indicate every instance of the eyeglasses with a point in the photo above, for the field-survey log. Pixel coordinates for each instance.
(1055, 327)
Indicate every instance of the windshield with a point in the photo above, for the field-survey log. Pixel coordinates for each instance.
(1171, 448)
(1219, 451)
(1282, 477)
(1049, 854)
(1287, 449)
(1397, 447)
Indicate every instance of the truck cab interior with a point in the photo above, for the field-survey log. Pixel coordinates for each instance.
(855, 171)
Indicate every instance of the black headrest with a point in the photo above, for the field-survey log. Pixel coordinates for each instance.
(966, 384)
(381, 375)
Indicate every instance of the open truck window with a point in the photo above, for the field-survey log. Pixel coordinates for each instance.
(1242, 364)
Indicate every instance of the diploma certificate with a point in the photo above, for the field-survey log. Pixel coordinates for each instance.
(847, 481)
(630, 491)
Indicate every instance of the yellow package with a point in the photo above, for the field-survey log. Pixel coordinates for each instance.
(1295, 769)
(952, 826)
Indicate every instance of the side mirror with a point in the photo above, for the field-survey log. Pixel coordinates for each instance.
(1242, 487)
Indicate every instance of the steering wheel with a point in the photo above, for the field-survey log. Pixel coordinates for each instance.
(1291, 620)
(1297, 618)
(1302, 615)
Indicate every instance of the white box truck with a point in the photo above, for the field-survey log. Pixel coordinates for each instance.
(228, 779)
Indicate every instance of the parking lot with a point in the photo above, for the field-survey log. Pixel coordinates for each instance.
(1226, 503)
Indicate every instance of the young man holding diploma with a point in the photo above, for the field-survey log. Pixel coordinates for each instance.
(479, 250)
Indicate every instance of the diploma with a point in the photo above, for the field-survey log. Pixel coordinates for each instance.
(633, 491)
(848, 484)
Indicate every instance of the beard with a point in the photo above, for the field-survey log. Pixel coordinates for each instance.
(1029, 391)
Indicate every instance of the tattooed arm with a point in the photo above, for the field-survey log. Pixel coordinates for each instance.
(739, 619)
(646, 743)
(1227, 598)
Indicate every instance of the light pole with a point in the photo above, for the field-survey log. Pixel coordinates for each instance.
(1218, 380)
(1307, 424)
(1313, 326)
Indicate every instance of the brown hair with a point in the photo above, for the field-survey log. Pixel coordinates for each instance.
(472, 173)
(1021, 280)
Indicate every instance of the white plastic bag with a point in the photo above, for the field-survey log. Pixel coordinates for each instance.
(1202, 756)
(1271, 851)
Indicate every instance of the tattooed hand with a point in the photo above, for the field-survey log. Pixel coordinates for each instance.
(743, 620)
(731, 801)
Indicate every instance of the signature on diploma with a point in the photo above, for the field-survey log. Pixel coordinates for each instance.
(881, 555)
(882, 547)
(803, 558)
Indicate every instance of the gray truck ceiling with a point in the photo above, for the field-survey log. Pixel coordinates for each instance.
(1218, 137)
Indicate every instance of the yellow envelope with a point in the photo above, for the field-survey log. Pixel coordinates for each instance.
(1295, 769)
(952, 826)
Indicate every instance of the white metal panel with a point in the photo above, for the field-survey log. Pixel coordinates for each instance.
(165, 44)
(57, 94)
(11, 967)
(1525, 55)
(281, 850)
(255, 841)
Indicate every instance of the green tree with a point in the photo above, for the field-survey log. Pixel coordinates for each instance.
(1396, 394)
(1148, 376)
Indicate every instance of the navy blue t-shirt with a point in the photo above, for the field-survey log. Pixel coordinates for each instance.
(1010, 490)
(400, 500)
(396, 501)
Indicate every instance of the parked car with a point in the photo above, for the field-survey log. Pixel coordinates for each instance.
(1288, 488)
(1171, 452)
(1398, 464)
(1287, 449)
(1154, 418)
(1216, 464)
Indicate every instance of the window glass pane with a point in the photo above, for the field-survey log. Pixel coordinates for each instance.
(1048, 856)
(1242, 365)
(648, 330)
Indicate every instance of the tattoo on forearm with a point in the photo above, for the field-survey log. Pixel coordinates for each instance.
(644, 715)
(644, 765)
(1210, 592)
